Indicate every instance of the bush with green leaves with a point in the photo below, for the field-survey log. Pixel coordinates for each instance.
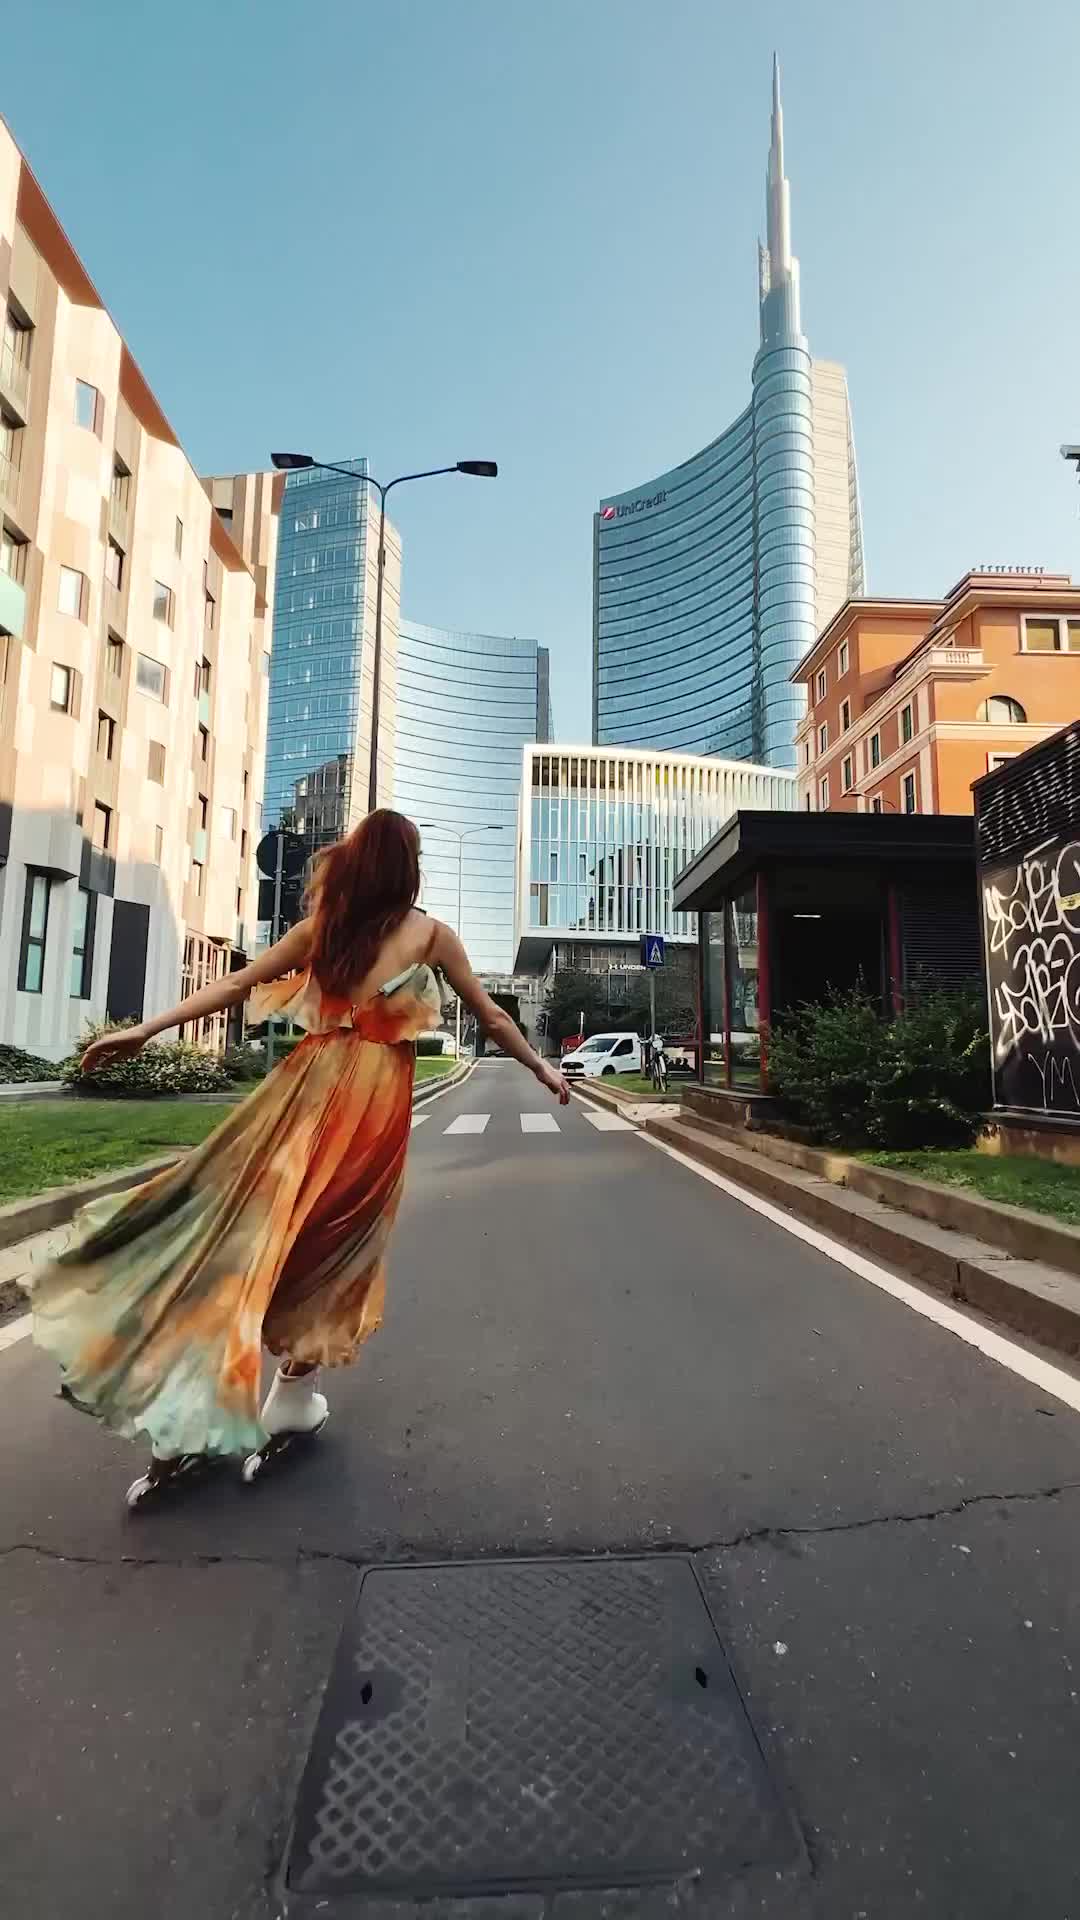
(159, 1069)
(853, 1078)
(17, 1067)
(429, 1046)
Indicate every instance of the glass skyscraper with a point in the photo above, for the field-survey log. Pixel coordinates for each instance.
(467, 705)
(711, 581)
(319, 726)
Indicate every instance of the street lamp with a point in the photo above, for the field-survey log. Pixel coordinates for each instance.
(299, 463)
(460, 834)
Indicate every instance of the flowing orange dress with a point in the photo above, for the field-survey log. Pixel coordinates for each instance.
(273, 1233)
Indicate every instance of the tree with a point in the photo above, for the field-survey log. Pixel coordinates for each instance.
(574, 992)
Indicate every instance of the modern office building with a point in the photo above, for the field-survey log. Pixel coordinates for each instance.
(321, 672)
(909, 702)
(711, 581)
(467, 705)
(602, 833)
(134, 629)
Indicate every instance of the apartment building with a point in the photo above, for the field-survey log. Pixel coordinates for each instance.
(910, 701)
(134, 638)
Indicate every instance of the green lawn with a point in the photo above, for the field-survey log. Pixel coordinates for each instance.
(432, 1066)
(1016, 1179)
(47, 1143)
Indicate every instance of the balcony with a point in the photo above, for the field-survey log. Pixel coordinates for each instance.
(10, 476)
(14, 379)
(12, 606)
(118, 518)
(959, 660)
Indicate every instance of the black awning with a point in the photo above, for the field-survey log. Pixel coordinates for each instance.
(750, 840)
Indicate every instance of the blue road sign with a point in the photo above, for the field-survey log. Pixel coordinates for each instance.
(652, 950)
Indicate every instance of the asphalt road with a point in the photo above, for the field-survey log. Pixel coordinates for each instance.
(587, 1348)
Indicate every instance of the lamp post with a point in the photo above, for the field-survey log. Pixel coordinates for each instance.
(299, 463)
(460, 834)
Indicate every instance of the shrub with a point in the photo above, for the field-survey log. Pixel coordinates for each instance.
(855, 1079)
(158, 1069)
(428, 1045)
(17, 1067)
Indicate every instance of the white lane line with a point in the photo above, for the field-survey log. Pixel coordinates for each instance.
(539, 1123)
(1040, 1373)
(15, 1330)
(609, 1122)
(419, 1118)
(468, 1123)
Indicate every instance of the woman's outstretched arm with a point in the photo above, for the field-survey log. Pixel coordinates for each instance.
(448, 953)
(286, 956)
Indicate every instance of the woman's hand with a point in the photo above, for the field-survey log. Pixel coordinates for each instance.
(555, 1082)
(112, 1048)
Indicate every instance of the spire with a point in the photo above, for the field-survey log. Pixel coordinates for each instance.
(779, 269)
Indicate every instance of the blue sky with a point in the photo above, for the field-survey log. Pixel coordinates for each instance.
(422, 230)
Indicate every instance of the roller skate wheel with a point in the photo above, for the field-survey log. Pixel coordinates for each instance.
(251, 1467)
(138, 1490)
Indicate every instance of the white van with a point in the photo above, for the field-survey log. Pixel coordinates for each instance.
(604, 1054)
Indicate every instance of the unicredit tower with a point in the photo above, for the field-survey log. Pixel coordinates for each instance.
(711, 581)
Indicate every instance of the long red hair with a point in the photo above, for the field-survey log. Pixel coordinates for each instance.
(361, 889)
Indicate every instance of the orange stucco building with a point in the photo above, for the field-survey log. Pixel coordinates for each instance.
(910, 701)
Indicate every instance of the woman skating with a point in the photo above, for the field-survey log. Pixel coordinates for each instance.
(272, 1233)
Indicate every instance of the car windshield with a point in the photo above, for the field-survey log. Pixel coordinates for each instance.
(603, 1045)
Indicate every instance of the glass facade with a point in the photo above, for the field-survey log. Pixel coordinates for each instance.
(467, 703)
(711, 580)
(603, 835)
(319, 718)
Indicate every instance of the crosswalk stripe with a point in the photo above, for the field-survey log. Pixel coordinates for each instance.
(419, 1118)
(468, 1123)
(609, 1122)
(539, 1123)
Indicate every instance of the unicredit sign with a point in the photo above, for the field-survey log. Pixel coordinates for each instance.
(633, 506)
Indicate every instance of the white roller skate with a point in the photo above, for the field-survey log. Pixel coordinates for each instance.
(167, 1474)
(293, 1410)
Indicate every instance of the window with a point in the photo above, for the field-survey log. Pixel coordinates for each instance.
(155, 765)
(228, 822)
(121, 485)
(245, 786)
(822, 684)
(875, 749)
(1056, 635)
(35, 929)
(266, 663)
(824, 793)
(842, 660)
(808, 803)
(163, 602)
(876, 804)
(1001, 711)
(178, 537)
(197, 877)
(204, 809)
(996, 760)
(907, 723)
(845, 715)
(87, 401)
(847, 774)
(159, 844)
(806, 753)
(243, 843)
(11, 439)
(82, 944)
(13, 550)
(822, 738)
(114, 656)
(202, 676)
(102, 828)
(204, 744)
(72, 594)
(15, 350)
(225, 515)
(208, 612)
(909, 793)
(149, 676)
(106, 734)
(61, 687)
(114, 564)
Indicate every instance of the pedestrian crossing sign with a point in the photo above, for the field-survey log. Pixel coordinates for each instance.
(652, 950)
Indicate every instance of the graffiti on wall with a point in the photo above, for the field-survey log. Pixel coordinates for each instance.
(1031, 922)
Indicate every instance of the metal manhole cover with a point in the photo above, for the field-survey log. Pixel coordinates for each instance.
(530, 1725)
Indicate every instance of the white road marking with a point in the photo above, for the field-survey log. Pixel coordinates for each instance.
(419, 1118)
(15, 1330)
(1040, 1373)
(468, 1123)
(539, 1123)
(609, 1122)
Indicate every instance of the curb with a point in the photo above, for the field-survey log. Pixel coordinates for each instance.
(20, 1219)
(1026, 1295)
